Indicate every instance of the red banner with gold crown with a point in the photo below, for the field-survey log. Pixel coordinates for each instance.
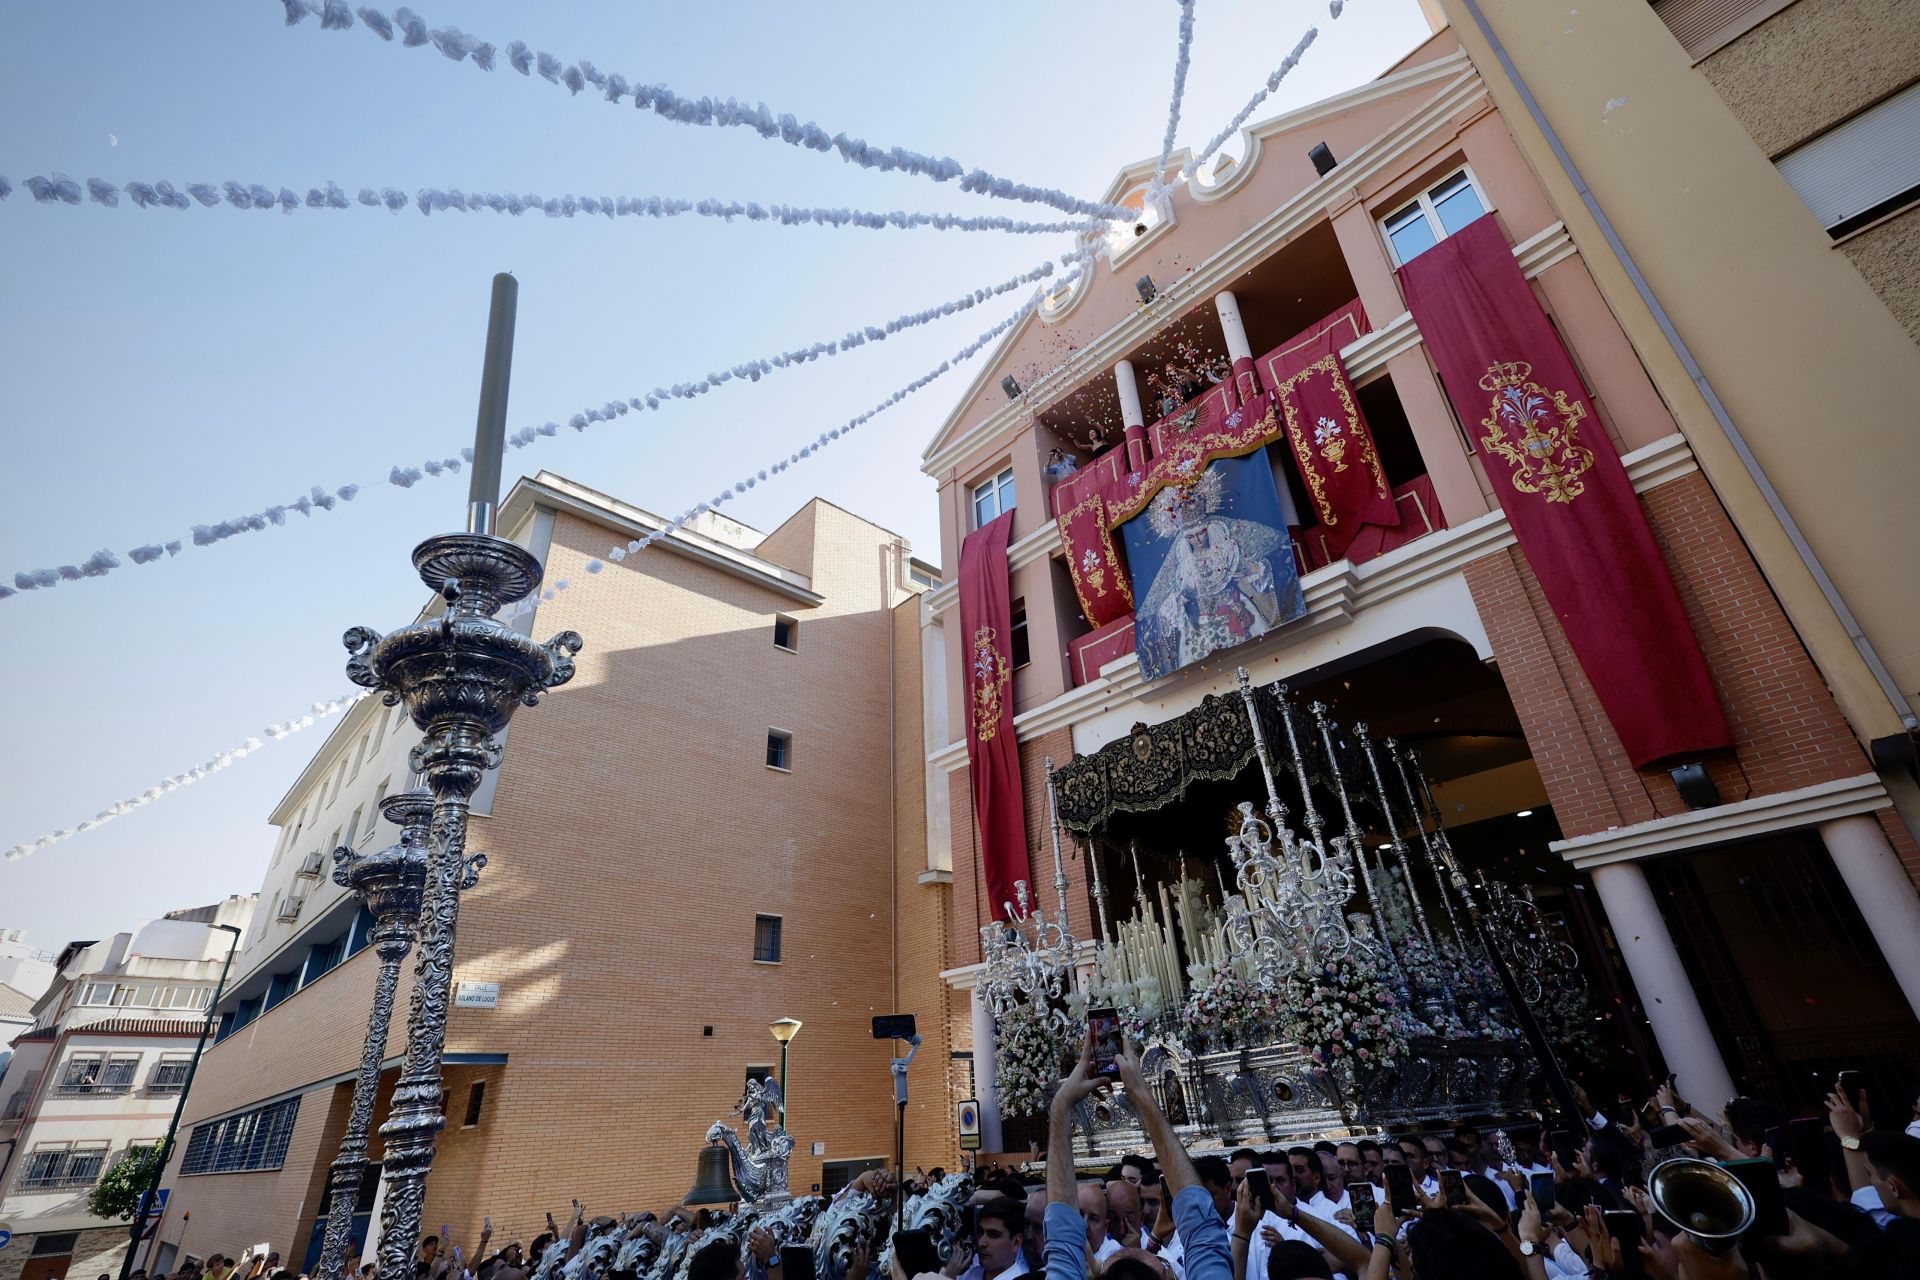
(993, 753)
(1094, 562)
(1346, 485)
(1565, 492)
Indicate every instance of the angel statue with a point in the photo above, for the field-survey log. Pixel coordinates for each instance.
(760, 1168)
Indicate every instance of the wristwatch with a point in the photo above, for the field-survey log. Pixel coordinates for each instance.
(1851, 1144)
(1528, 1248)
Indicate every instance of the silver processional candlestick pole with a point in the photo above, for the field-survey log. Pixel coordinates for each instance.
(389, 883)
(461, 675)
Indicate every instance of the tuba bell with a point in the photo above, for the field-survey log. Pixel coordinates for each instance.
(1702, 1199)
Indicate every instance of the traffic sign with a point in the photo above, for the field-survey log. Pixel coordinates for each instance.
(968, 1115)
(6, 1237)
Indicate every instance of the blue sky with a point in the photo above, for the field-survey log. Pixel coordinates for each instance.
(160, 369)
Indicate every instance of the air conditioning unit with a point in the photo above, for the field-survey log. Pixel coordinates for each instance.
(310, 865)
(290, 906)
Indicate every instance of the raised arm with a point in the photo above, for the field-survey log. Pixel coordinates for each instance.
(1066, 1252)
(1206, 1254)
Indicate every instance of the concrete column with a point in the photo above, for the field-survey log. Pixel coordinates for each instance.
(1882, 891)
(1129, 388)
(986, 1091)
(1679, 1024)
(1231, 326)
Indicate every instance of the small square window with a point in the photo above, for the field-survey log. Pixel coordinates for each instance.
(1433, 215)
(766, 939)
(779, 749)
(1017, 645)
(993, 499)
(784, 633)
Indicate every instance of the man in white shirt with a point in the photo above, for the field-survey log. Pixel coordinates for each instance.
(1436, 1160)
(1280, 1177)
(1093, 1208)
(996, 1245)
(1332, 1196)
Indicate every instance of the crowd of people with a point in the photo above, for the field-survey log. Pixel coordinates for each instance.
(1523, 1202)
(1520, 1203)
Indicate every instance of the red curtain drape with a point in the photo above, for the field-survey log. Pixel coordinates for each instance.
(1565, 492)
(993, 753)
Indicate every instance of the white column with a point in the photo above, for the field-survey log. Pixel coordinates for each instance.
(1129, 389)
(1679, 1024)
(1231, 326)
(1882, 891)
(986, 1091)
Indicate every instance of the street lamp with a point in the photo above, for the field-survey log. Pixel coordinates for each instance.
(784, 1030)
(193, 1065)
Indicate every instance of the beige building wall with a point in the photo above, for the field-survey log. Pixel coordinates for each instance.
(1811, 363)
(635, 833)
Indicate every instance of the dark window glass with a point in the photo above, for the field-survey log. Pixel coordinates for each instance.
(779, 749)
(766, 938)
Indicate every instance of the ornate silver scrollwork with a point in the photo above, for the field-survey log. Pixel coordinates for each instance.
(760, 1164)
(461, 676)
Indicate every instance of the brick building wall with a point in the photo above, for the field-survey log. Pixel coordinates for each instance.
(1788, 732)
(635, 834)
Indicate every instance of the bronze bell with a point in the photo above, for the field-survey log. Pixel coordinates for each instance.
(1702, 1199)
(713, 1182)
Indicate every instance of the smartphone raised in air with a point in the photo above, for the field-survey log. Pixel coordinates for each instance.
(1625, 1226)
(1364, 1203)
(915, 1253)
(1104, 1026)
(1541, 1184)
(1453, 1188)
(1262, 1188)
(1400, 1190)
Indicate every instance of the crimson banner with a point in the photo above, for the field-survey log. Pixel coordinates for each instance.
(1094, 561)
(1328, 434)
(1565, 492)
(993, 754)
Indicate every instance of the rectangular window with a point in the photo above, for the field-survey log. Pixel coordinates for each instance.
(783, 633)
(48, 1243)
(243, 1143)
(361, 933)
(359, 754)
(353, 823)
(322, 957)
(759, 1071)
(1433, 215)
(779, 749)
(339, 776)
(993, 499)
(476, 1098)
(99, 993)
(1863, 169)
(169, 1075)
(62, 1168)
(81, 1076)
(120, 1072)
(1017, 645)
(282, 986)
(766, 939)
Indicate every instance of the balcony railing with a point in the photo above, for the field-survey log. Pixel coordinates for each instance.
(16, 1106)
(92, 1089)
(60, 1181)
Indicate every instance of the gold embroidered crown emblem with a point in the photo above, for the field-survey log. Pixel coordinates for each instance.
(1508, 373)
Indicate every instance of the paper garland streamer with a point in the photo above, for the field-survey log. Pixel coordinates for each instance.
(1180, 63)
(60, 189)
(1078, 262)
(710, 112)
(405, 476)
(1253, 104)
(314, 714)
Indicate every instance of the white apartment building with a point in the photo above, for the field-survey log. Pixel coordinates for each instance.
(23, 966)
(97, 1076)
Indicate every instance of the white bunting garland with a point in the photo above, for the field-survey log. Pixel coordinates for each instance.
(706, 111)
(1291, 61)
(275, 732)
(1180, 62)
(1078, 261)
(405, 476)
(60, 189)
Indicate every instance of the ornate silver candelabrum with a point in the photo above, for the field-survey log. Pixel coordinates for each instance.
(1028, 958)
(1292, 890)
(390, 885)
(461, 676)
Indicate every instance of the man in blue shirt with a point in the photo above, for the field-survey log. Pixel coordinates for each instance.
(1203, 1233)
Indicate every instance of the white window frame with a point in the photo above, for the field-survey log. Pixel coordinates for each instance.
(990, 487)
(786, 736)
(1423, 200)
(793, 633)
(159, 1087)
